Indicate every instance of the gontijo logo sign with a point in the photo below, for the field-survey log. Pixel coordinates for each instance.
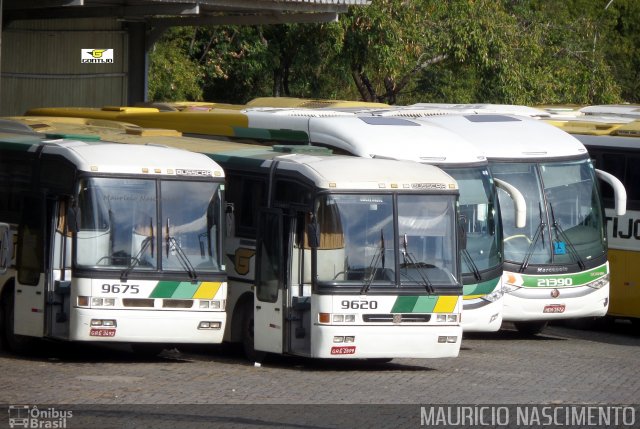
(96, 56)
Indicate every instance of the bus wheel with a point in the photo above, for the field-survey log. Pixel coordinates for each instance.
(530, 328)
(147, 350)
(247, 332)
(379, 360)
(18, 344)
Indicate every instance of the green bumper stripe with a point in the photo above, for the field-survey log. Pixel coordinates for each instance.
(414, 304)
(483, 288)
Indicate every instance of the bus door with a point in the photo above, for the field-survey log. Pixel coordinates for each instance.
(268, 319)
(29, 291)
(59, 285)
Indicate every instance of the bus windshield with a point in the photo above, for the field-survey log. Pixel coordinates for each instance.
(148, 225)
(478, 209)
(565, 222)
(387, 241)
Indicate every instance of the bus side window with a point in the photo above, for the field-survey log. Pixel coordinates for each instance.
(30, 257)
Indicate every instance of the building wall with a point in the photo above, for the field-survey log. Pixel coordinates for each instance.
(41, 64)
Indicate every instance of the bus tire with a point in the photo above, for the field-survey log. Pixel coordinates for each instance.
(18, 344)
(379, 360)
(530, 328)
(147, 350)
(248, 337)
(247, 332)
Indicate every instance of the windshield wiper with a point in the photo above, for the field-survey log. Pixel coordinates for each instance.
(181, 256)
(539, 232)
(136, 259)
(562, 234)
(373, 266)
(472, 265)
(410, 262)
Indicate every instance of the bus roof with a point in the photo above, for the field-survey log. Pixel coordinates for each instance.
(346, 172)
(327, 171)
(96, 156)
(223, 123)
(623, 110)
(368, 135)
(510, 136)
(311, 103)
(503, 109)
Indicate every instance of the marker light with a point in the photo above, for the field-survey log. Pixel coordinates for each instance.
(108, 323)
(209, 325)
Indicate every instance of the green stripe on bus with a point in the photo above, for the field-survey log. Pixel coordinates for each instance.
(289, 135)
(425, 304)
(577, 279)
(252, 133)
(404, 304)
(483, 288)
(164, 289)
(185, 290)
(414, 304)
(84, 137)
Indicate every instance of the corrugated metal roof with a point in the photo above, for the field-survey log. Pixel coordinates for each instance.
(201, 12)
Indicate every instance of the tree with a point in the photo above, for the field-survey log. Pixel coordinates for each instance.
(173, 75)
(400, 51)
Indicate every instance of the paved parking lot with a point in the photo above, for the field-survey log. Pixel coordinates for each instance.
(111, 387)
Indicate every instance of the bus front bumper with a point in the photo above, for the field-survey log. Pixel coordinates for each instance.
(385, 342)
(528, 304)
(198, 327)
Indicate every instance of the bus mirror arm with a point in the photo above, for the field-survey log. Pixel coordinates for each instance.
(519, 203)
(618, 190)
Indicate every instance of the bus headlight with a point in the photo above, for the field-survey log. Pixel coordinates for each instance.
(327, 318)
(600, 283)
(508, 288)
(494, 296)
(447, 318)
(102, 302)
(212, 305)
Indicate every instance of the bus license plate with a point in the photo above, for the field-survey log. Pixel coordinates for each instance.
(345, 350)
(553, 308)
(102, 332)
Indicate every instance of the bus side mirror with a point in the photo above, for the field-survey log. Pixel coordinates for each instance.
(619, 191)
(313, 234)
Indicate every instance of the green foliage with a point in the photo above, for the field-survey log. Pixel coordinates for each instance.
(172, 74)
(401, 51)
